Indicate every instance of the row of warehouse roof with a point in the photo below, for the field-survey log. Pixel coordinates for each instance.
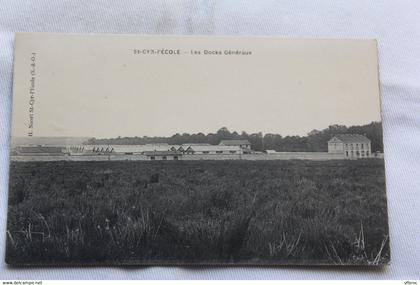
(225, 147)
(184, 148)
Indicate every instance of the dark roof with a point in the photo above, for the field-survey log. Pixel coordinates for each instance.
(161, 153)
(351, 138)
(234, 142)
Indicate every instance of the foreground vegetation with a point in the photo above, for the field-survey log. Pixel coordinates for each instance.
(300, 212)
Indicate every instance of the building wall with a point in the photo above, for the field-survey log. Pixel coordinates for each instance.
(265, 156)
(243, 146)
(40, 149)
(294, 155)
(215, 152)
(211, 157)
(335, 147)
(357, 150)
(168, 157)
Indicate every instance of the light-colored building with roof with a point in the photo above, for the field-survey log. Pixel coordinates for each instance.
(125, 149)
(174, 147)
(213, 149)
(184, 146)
(163, 155)
(40, 150)
(243, 144)
(350, 145)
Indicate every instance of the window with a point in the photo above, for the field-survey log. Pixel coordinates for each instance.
(164, 158)
(347, 153)
(367, 153)
(363, 145)
(175, 157)
(152, 158)
(206, 152)
(129, 153)
(219, 151)
(232, 151)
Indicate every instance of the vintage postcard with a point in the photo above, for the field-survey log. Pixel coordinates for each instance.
(164, 150)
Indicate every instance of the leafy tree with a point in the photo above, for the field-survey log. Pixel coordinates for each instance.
(316, 140)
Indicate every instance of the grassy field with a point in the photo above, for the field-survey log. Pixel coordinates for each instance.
(273, 212)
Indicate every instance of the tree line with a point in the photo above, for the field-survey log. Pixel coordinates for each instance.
(315, 140)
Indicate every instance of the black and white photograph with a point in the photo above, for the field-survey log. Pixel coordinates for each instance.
(154, 150)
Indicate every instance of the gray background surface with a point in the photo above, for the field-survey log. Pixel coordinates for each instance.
(396, 26)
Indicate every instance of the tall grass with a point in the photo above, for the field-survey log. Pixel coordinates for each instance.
(299, 212)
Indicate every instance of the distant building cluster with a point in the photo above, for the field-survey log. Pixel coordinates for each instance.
(159, 151)
(342, 146)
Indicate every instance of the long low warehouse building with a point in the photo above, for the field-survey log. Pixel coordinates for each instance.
(213, 149)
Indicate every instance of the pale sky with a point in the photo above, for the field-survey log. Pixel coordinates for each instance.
(95, 86)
